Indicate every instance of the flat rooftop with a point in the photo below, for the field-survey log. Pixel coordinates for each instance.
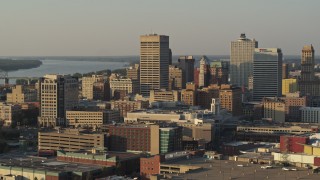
(21, 160)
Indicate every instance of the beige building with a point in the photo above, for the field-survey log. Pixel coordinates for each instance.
(9, 113)
(126, 84)
(91, 118)
(293, 103)
(124, 106)
(230, 99)
(204, 132)
(289, 86)
(176, 78)
(58, 94)
(275, 109)
(21, 94)
(88, 84)
(275, 129)
(133, 72)
(241, 60)
(71, 140)
(163, 95)
(188, 97)
(154, 63)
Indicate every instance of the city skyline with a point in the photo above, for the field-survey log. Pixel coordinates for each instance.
(45, 28)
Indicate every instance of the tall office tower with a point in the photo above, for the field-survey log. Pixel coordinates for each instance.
(267, 73)
(219, 73)
(285, 71)
(176, 78)
(58, 94)
(308, 84)
(154, 63)
(87, 85)
(204, 72)
(241, 60)
(186, 63)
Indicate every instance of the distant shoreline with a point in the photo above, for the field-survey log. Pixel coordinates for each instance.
(15, 65)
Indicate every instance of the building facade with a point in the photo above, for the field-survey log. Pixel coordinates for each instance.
(154, 63)
(58, 94)
(21, 94)
(186, 63)
(204, 72)
(91, 118)
(275, 109)
(163, 95)
(87, 85)
(129, 85)
(230, 99)
(289, 86)
(241, 60)
(176, 78)
(267, 73)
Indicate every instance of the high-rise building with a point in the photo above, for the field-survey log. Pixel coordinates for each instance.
(58, 94)
(285, 71)
(267, 73)
(154, 63)
(308, 84)
(204, 72)
(241, 60)
(176, 78)
(87, 85)
(186, 63)
(289, 86)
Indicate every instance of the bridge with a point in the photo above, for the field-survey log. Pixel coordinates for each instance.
(4, 75)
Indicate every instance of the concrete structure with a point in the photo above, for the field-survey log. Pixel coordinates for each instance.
(58, 94)
(176, 79)
(230, 99)
(129, 85)
(241, 60)
(163, 95)
(101, 91)
(275, 129)
(267, 73)
(275, 109)
(21, 94)
(289, 86)
(134, 138)
(91, 118)
(154, 63)
(188, 95)
(87, 85)
(204, 73)
(293, 103)
(71, 140)
(133, 72)
(186, 63)
(310, 114)
(124, 106)
(200, 132)
(9, 113)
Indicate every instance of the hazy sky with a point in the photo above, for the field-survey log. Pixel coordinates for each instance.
(113, 27)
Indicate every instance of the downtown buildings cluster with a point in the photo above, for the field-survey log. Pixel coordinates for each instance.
(164, 110)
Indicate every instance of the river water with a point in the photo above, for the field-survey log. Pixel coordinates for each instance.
(68, 66)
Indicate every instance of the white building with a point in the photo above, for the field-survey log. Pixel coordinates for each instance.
(310, 114)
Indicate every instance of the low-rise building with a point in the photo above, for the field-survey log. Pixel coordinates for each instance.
(21, 94)
(91, 118)
(9, 113)
(310, 114)
(275, 109)
(163, 95)
(71, 140)
(126, 84)
(125, 106)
